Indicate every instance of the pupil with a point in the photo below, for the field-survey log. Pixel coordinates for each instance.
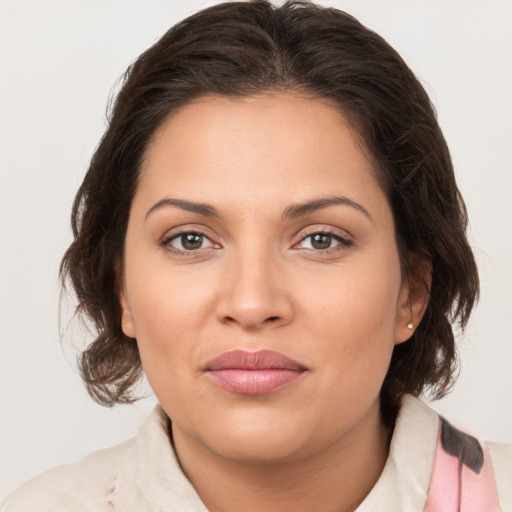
(321, 241)
(192, 241)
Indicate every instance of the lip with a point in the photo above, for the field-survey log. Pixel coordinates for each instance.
(253, 373)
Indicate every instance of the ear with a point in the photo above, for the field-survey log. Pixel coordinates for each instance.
(126, 316)
(413, 299)
(126, 313)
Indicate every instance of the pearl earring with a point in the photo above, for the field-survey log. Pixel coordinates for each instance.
(410, 325)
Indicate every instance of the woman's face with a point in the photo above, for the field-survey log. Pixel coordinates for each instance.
(283, 242)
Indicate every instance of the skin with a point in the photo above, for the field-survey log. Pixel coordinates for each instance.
(256, 281)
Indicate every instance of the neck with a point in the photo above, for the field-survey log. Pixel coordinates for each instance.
(336, 479)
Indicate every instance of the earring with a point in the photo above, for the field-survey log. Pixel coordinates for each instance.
(410, 325)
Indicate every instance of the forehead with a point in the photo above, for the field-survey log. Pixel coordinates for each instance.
(267, 148)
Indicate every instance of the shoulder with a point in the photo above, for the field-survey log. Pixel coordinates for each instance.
(428, 452)
(82, 486)
(501, 456)
(141, 474)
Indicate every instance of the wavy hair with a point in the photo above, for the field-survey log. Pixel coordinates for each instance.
(245, 48)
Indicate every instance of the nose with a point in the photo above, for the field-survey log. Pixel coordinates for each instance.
(254, 292)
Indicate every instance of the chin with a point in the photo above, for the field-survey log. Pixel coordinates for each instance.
(264, 449)
(257, 441)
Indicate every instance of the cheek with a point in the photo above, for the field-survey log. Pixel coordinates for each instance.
(170, 312)
(353, 318)
(164, 297)
(164, 340)
(169, 308)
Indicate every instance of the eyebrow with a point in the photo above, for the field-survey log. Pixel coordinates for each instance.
(293, 211)
(300, 209)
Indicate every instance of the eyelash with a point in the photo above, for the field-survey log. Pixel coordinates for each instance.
(344, 242)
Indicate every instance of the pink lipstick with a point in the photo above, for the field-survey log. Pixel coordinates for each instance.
(253, 373)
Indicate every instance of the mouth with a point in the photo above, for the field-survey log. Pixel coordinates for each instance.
(253, 373)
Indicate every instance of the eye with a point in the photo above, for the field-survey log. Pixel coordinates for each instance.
(186, 241)
(325, 241)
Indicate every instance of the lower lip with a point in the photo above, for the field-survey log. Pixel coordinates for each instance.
(254, 382)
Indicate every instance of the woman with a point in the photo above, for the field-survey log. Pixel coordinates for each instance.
(270, 229)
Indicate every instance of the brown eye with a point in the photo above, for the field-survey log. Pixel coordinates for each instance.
(191, 241)
(321, 241)
(186, 241)
(325, 241)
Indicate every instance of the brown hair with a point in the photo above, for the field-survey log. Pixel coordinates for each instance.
(244, 48)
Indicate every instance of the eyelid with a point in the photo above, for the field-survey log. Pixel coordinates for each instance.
(176, 236)
(185, 229)
(342, 233)
(345, 240)
(176, 233)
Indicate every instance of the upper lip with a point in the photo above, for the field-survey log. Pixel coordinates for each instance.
(245, 360)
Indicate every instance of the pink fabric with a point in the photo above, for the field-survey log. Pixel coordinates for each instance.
(454, 487)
